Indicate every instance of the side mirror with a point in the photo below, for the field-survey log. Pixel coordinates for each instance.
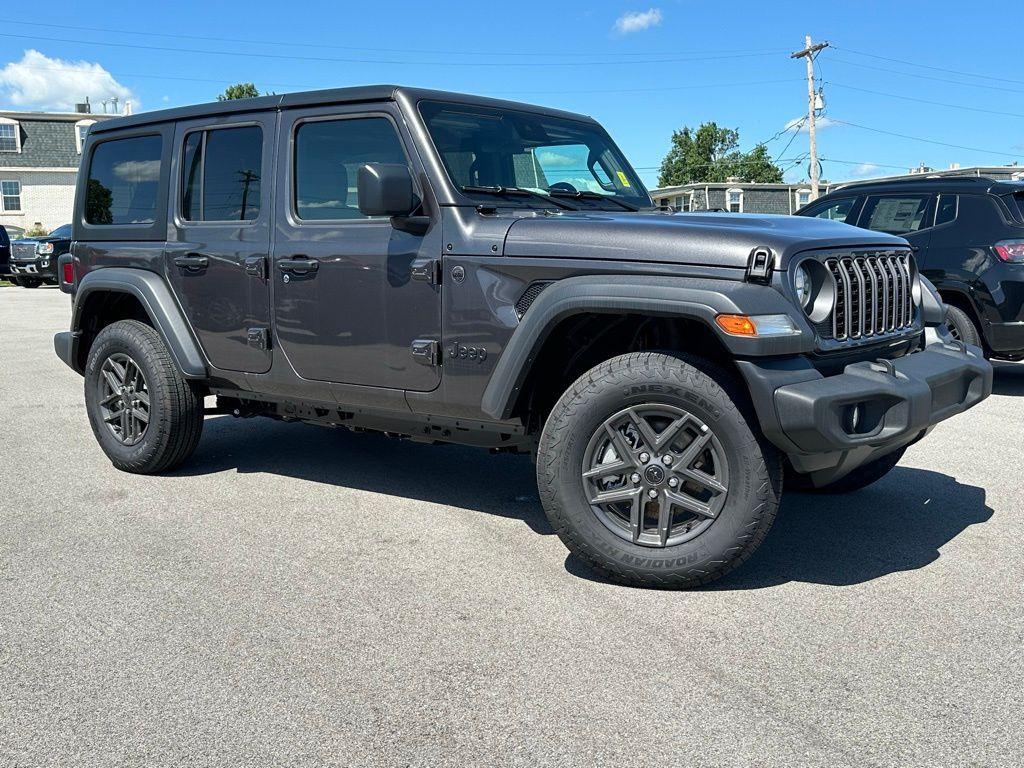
(385, 189)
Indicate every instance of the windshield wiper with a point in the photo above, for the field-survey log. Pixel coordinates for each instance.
(587, 195)
(509, 191)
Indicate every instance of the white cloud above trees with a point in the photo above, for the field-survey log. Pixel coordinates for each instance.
(38, 81)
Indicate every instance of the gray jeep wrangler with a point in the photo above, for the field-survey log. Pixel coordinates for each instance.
(457, 269)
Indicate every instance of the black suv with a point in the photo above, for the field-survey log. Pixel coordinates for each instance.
(34, 259)
(450, 268)
(968, 238)
(5, 254)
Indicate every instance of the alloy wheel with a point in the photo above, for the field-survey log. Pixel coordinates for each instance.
(124, 399)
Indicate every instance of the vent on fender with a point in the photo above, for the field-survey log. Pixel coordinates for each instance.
(533, 290)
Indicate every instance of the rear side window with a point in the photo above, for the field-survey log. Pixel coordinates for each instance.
(1019, 198)
(328, 154)
(895, 215)
(221, 171)
(124, 179)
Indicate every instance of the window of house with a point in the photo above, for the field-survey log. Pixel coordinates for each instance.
(803, 197)
(10, 196)
(328, 155)
(81, 129)
(734, 201)
(221, 174)
(124, 179)
(10, 136)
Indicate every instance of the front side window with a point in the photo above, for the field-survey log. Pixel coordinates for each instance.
(221, 174)
(837, 210)
(10, 139)
(734, 201)
(124, 178)
(328, 155)
(62, 231)
(486, 150)
(896, 214)
(10, 199)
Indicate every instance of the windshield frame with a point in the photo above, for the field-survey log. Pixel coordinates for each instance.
(461, 197)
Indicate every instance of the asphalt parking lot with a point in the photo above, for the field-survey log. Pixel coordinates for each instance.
(304, 596)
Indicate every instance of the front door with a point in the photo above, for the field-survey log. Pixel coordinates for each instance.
(348, 303)
(217, 259)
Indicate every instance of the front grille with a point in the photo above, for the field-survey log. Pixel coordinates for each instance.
(873, 294)
(23, 250)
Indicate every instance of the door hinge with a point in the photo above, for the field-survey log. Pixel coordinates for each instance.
(428, 270)
(426, 352)
(258, 338)
(256, 266)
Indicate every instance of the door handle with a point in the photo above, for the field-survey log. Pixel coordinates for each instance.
(298, 265)
(192, 261)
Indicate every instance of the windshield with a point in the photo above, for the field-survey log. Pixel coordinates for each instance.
(64, 231)
(486, 150)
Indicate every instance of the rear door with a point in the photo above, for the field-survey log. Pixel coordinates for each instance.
(219, 240)
(351, 293)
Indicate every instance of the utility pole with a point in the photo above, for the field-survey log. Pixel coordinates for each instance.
(808, 53)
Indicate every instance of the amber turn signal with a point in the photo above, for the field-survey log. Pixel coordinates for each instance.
(738, 325)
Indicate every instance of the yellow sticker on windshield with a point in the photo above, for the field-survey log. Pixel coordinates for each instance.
(623, 179)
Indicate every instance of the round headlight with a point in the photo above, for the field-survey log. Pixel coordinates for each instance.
(802, 285)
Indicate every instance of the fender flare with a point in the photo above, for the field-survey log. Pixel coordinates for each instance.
(159, 304)
(700, 299)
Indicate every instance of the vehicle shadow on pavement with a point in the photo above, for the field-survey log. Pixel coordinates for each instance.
(458, 476)
(898, 524)
(1008, 379)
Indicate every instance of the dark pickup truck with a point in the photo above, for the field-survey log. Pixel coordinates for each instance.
(449, 268)
(34, 259)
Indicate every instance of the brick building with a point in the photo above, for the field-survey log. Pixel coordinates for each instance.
(39, 156)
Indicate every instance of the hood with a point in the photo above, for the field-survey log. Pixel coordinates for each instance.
(40, 239)
(708, 239)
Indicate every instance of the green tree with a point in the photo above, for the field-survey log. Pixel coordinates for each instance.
(239, 91)
(709, 154)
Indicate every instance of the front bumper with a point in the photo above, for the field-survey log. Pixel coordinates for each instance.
(830, 425)
(34, 268)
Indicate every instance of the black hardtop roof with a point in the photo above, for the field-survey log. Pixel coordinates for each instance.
(934, 184)
(356, 95)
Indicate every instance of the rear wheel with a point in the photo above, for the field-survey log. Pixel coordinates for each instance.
(650, 473)
(146, 417)
(962, 328)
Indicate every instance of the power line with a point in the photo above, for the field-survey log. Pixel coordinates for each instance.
(417, 63)
(903, 97)
(927, 141)
(890, 71)
(305, 44)
(933, 68)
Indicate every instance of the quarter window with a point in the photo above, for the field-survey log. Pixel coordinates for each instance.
(221, 174)
(10, 200)
(945, 212)
(328, 155)
(896, 215)
(10, 136)
(734, 201)
(124, 178)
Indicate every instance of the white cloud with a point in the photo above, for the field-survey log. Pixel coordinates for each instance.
(865, 169)
(638, 21)
(136, 171)
(820, 124)
(39, 82)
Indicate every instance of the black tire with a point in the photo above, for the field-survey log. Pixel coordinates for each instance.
(690, 386)
(30, 282)
(175, 408)
(14, 280)
(962, 327)
(861, 477)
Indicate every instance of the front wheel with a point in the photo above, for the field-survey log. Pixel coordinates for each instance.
(29, 282)
(146, 417)
(650, 473)
(962, 328)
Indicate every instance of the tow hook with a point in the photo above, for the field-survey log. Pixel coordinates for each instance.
(884, 366)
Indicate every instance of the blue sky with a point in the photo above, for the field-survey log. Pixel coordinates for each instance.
(948, 72)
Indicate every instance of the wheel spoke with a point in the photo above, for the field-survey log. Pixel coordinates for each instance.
(615, 495)
(664, 515)
(607, 470)
(693, 450)
(120, 371)
(140, 414)
(114, 416)
(689, 504)
(112, 380)
(703, 479)
(625, 453)
(646, 433)
(143, 397)
(110, 398)
(636, 517)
